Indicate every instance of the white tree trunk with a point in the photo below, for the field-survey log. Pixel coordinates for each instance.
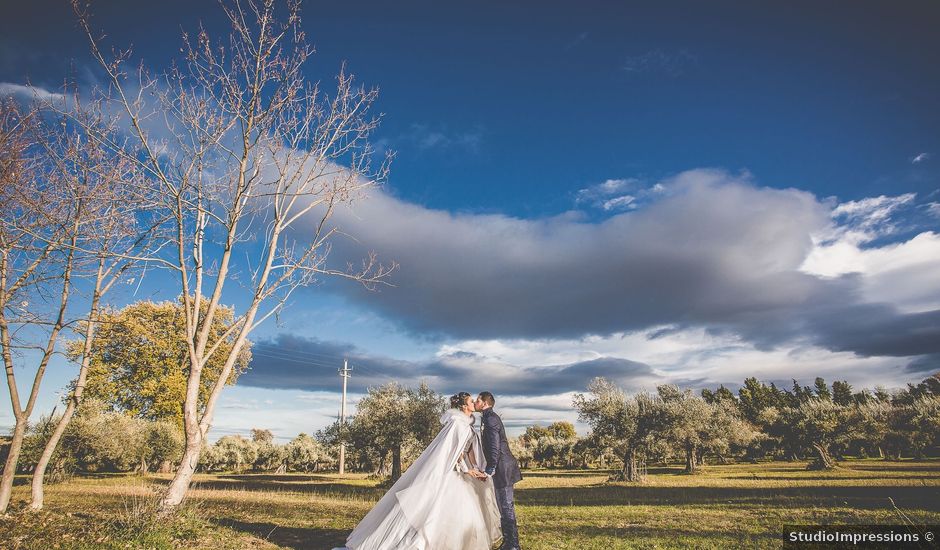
(37, 497)
(184, 472)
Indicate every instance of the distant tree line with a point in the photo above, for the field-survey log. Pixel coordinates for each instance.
(234, 453)
(819, 423)
(394, 423)
(102, 440)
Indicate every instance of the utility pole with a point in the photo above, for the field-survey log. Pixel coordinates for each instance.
(344, 373)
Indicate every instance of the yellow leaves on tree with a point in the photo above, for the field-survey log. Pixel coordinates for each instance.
(139, 361)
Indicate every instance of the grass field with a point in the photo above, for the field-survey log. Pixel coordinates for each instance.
(734, 506)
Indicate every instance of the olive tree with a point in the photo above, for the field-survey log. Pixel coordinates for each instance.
(391, 422)
(816, 424)
(626, 424)
(305, 454)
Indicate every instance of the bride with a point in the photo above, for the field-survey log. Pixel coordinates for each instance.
(436, 504)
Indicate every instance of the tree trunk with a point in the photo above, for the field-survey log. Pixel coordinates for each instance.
(143, 466)
(691, 460)
(39, 475)
(184, 475)
(396, 463)
(36, 500)
(196, 428)
(630, 471)
(381, 468)
(9, 468)
(187, 466)
(823, 461)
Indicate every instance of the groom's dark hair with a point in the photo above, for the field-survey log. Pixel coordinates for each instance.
(488, 398)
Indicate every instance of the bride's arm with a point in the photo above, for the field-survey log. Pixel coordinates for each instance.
(466, 461)
(471, 459)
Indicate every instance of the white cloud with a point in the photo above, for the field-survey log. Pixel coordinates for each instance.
(873, 208)
(618, 194)
(682, 356)
(933, 208)
(866, 219)
(902, 273)
(606, 188)
(659, 346)
(620, 203)
(28, 92)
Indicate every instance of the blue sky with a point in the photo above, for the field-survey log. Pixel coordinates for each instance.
(682, 192)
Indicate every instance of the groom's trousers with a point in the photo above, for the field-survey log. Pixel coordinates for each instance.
(507, 517)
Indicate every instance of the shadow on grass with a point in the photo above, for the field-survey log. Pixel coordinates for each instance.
(289, 484)
(305, 478)
(26, 479)
(649, 535)
(897, 466)
(917, 497)
(291, 537)
(824, 477)
(566, 473)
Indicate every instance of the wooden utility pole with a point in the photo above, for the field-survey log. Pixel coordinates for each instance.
(344, 373)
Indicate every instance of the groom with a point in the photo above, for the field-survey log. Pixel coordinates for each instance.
(501, 466)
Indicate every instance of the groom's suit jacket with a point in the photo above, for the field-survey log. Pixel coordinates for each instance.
(499, 460)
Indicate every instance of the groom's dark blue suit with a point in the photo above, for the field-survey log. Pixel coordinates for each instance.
(504, 469)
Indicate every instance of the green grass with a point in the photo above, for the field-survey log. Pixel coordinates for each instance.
(729, 506)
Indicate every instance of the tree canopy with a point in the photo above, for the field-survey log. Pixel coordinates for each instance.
(139, 359)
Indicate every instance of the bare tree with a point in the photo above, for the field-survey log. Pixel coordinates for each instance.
(116, 234)
(40, 226)
(250, 161)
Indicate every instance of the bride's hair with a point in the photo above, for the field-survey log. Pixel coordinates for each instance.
(458, 400)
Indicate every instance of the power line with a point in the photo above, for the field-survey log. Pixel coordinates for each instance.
(285, 356)
(298, 355)
(377, 373)
(300, 351)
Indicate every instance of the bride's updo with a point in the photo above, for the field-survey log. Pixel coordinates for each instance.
(459, 400)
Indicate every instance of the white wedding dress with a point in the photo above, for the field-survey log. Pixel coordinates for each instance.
(434, 505)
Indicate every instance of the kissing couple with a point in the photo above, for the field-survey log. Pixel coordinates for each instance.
(458, 495)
